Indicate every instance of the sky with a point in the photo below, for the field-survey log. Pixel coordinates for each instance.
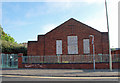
(24, 20)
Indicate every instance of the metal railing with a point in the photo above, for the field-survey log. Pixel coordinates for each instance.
(9, 61)
(70, 59)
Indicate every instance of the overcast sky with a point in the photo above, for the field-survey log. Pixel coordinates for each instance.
(24, 20)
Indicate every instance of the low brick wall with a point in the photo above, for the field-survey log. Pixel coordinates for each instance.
(70, 65)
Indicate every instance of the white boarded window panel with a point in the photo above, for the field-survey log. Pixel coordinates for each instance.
(86, 46)
(72, 45)
(58, 46)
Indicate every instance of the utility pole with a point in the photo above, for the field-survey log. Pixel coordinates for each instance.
(110, 58)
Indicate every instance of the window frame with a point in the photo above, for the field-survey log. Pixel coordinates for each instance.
(84, 52)
(72, 45)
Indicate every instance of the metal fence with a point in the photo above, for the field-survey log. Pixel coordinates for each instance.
(9, 60)
(69, 59)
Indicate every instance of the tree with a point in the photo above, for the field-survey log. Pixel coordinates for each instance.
(9, 45)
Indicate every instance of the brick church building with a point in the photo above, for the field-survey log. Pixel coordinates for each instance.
(70, 38)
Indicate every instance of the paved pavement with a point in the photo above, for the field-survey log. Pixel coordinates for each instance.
(59, 75)
(62, 72)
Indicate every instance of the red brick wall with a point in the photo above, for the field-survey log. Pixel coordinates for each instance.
(115, 52)
(105, 43)
(72, 66)
(46, 44)
(20, 65)
(32, 48)
(40, 45)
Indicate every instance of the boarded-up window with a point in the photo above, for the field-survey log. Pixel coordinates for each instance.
(72, 45)
(58, 46)
(86, 46)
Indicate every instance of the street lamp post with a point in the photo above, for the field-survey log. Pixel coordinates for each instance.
(110, 57)
(93, 51)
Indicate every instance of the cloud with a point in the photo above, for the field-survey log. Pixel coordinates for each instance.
(15, 24)
(43, 30)
(88, 1)
(31, 39)
(51, 6)
(98, 23)
(18, 23)
(31, 13)
(93, 1)
(61, 5)
(47, 8)
(97, 20)
(35, 11)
